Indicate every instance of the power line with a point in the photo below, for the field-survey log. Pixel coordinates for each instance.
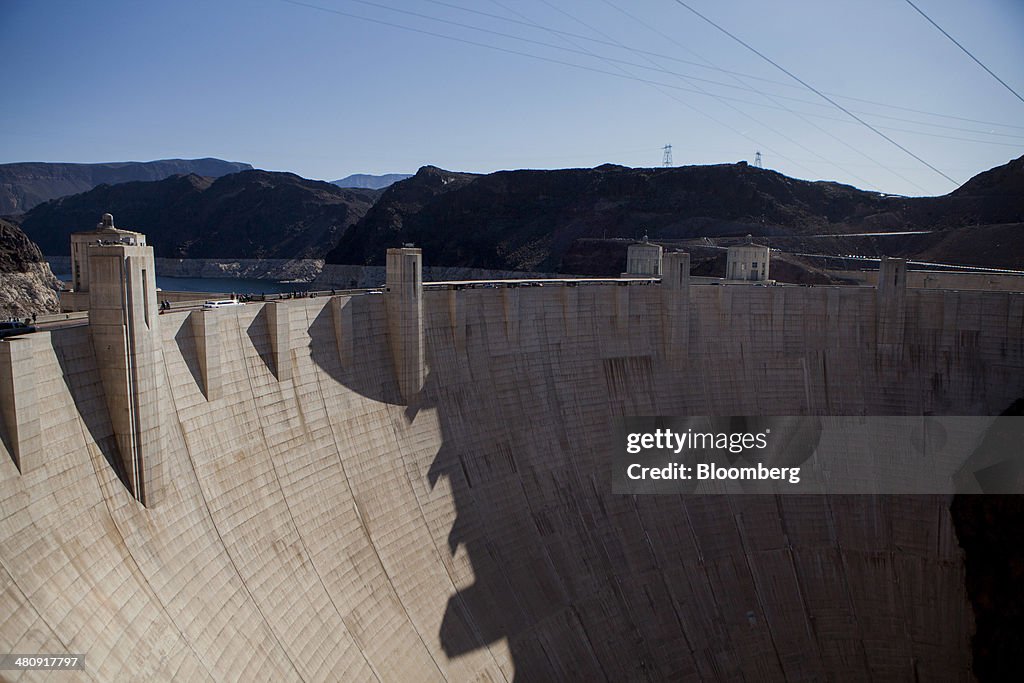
(626, 75)
(782, 106)
(965, 50)
(926, 113)
(939, 125)
(738, 77)
(487, 46)
(723, 100)
(667, 157)
(591, 39)
(815, 90)
(497, 48)
(615, 62)
(656, 86)
(1017, 146)
(667, 149)
(611, 61)
(712, 67)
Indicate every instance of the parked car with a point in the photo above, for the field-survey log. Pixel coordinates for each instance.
(222, 303)
(10, 328)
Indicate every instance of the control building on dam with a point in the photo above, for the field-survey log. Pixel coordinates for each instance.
(412, 483)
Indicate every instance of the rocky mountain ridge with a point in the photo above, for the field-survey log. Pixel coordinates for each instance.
(252, 214)
(545, 221)
(27, 184)
(531, 220)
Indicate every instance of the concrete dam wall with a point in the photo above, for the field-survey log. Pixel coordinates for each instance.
(330, 496)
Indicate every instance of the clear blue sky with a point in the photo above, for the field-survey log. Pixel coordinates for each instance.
(287, 86)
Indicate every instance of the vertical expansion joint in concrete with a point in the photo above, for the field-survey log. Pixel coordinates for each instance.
(570, 310)
(123, 324)
(279, 328)
(457, 319)
(344, 334)
(206, 331)
(621, 306)
(19, 406)
(510, 313)
(404, 301)
(891, 302)
(675, 304)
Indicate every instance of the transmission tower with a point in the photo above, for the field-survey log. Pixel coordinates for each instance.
(757, 160)
(666, 158)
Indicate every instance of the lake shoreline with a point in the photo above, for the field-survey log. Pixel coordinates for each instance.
(293, 274)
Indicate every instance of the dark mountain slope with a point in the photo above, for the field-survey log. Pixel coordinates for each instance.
(1002, 181)
(994, 196)
(25, 185)
(412, 199)
(528, 220)
(253, 214)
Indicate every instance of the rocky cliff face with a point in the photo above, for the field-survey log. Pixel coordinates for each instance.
(25, 185)
(26, 284)
(530, 220)
(253, 214)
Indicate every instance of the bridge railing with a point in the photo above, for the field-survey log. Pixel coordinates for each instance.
(545, 282)
(428, 286)
(310, 294)
(59, 317)
(189, 304)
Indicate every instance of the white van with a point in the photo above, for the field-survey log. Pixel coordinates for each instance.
(221, 303)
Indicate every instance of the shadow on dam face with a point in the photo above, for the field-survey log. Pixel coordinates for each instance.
(577, 585)
(584, 585)
(363, 368)
(82, 381)
(570, 582)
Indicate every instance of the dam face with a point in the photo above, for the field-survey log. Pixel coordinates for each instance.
(316, 520)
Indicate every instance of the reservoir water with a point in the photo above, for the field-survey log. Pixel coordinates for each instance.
(225, 285)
